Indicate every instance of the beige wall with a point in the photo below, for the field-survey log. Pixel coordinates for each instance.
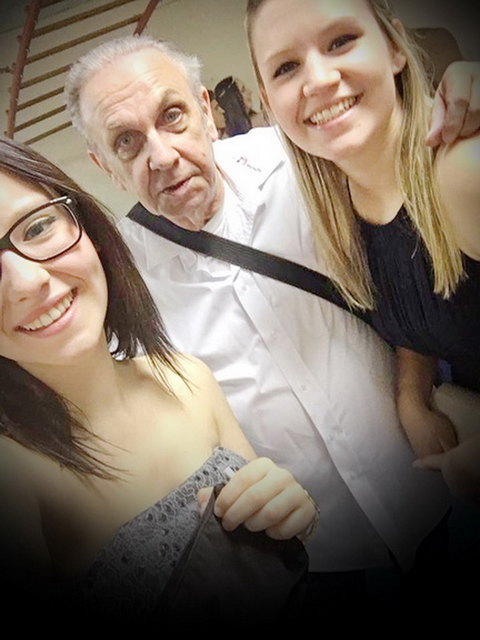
(213, 29)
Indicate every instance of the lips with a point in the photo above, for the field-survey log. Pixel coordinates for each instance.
(175, 187)
(333, 111)
(50, 316)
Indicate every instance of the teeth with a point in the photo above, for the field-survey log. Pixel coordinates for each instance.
(332, 112)
(53, 314)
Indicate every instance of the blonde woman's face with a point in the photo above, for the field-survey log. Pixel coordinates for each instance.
(328, 74)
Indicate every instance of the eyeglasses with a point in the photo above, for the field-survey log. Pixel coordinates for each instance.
(46, 232)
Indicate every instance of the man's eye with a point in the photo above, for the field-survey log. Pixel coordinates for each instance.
(284, 68)
(124, 141)
(172, 115)
(127, 145)
(342, 41)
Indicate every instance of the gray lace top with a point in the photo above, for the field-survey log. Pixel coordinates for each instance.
(132, 569)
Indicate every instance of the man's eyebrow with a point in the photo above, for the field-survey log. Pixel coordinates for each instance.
(166, 96)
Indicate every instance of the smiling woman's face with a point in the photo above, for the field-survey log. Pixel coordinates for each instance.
(50, 312)
(328, 73)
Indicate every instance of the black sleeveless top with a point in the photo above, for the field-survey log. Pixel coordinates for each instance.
(409, 314)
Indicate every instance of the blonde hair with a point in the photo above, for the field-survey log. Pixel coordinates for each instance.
(325, 191)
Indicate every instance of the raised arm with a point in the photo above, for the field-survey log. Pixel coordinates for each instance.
(458, 171)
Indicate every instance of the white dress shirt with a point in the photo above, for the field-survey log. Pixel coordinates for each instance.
(311, 385)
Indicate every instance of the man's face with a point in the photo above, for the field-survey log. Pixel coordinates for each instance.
(154, 137)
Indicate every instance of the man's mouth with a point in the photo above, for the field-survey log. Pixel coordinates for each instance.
(175, 187)
(52, 315)
(330, 113)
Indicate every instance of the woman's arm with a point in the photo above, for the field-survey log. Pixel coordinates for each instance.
(460, 468)
(427, 430)
(458, 171)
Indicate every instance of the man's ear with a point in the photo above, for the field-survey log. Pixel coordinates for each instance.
(399, 59)
(207, 112)
(104, 167)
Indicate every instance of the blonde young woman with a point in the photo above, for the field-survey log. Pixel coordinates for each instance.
(396, 224)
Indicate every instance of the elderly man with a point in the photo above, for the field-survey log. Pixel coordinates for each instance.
(311, 385)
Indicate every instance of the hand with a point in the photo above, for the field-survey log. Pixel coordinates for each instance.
(262, 496)
(428, 431)
(456, 105)
(460, 468)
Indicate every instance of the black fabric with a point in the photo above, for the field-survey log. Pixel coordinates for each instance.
(244, 256)
(409, 314)
(240, 577)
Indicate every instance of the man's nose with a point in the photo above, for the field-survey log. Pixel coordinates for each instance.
(161, 154)
(21, 277)
(320, 73)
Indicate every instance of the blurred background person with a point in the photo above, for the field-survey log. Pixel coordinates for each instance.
(218, 115)
(230, 99)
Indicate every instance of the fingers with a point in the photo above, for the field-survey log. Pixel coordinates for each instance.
(446, 434)
(433, 462)
(471, 123)
(251, 489)
(263, 496)
(457, 99)
(434, 137)
(456, 107)
(203, 496)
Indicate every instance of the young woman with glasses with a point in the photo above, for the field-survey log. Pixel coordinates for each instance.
(102, 453)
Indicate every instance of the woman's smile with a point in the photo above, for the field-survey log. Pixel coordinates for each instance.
(51, 316)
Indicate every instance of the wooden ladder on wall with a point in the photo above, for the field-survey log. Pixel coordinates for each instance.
(48, 99)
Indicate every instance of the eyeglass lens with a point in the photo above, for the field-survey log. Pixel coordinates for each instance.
(46, 233)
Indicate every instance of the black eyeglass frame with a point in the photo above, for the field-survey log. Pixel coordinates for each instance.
(67, 202)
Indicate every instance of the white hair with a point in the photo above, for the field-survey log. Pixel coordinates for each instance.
(86, 66)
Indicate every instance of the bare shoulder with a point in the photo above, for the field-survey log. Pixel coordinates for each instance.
(14, 458)
(193, 374)
(23, 473)
(22, 543)
(457, 171)
(196, 370)
(209, 394)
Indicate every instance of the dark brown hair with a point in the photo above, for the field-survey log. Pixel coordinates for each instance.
(31, 412)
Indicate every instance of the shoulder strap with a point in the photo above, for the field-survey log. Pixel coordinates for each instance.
(244, 256)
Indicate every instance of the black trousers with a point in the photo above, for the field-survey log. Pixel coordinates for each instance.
(447, 564)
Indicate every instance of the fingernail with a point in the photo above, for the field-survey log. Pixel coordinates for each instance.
(229, 472)
(418, 464)
(218, 511)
